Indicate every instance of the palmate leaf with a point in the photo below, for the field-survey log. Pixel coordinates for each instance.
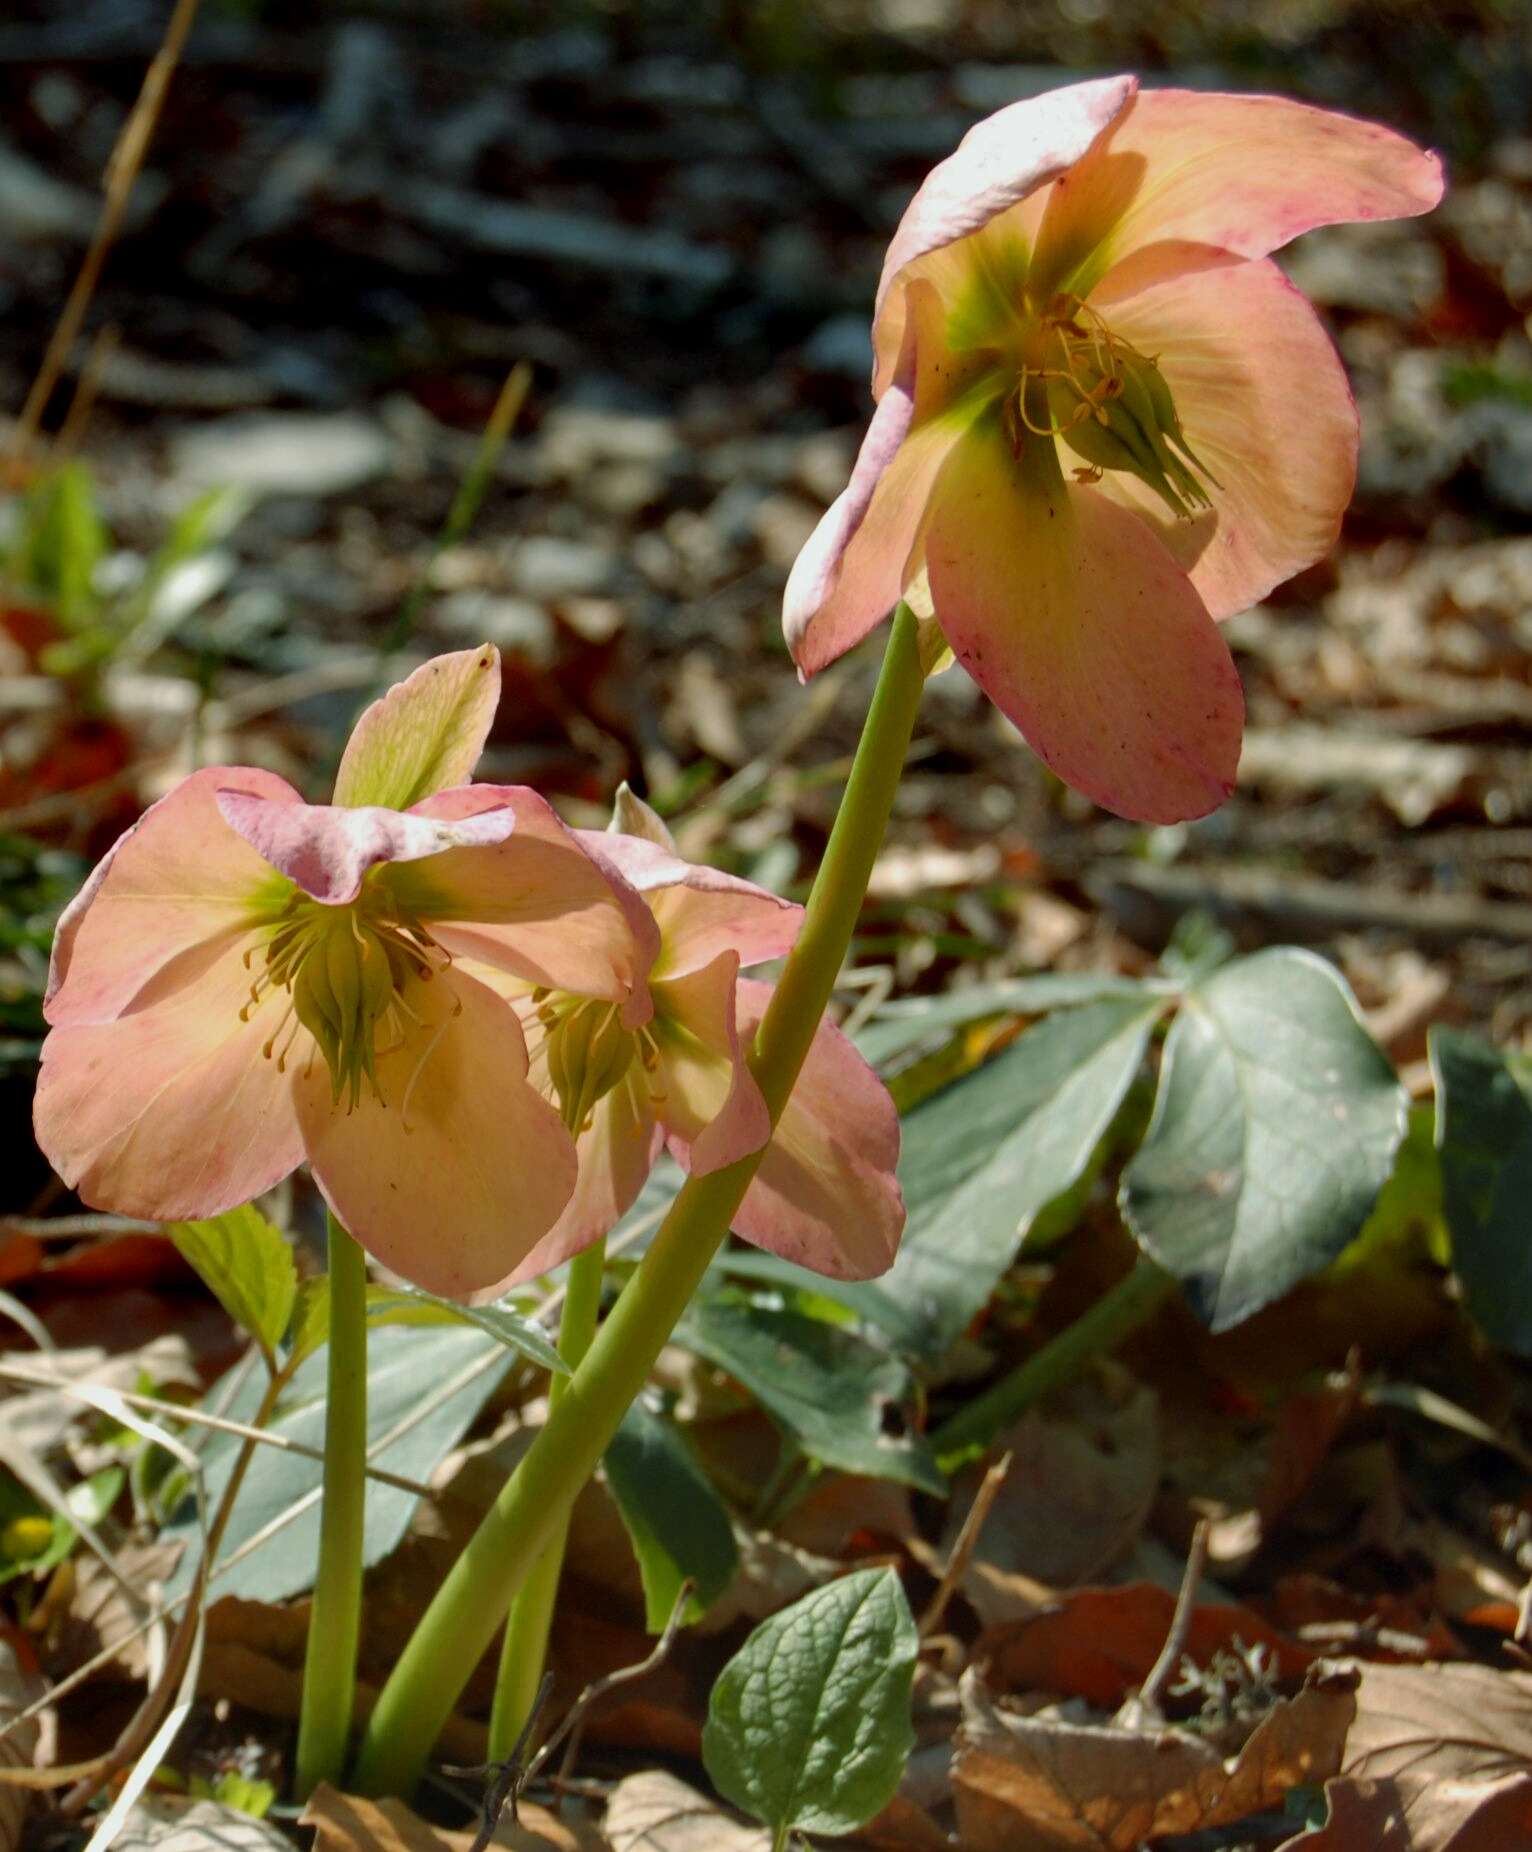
(1274, 1130)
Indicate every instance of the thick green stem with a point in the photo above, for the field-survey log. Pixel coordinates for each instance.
(329, 1666)
(1132, 1302)
(525, 1648)
(461, 1621)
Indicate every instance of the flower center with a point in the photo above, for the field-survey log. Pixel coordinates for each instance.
(589, 1052)
(346, 971)
(1087, 387)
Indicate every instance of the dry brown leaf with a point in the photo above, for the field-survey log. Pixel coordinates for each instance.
(1035, 1784)
(173, 1823)
(657, 1812)
(101, 1615)
(18, 1749)
(1100, 1643)
(1081, 1482)
(1456, 1816)
(347, 1823)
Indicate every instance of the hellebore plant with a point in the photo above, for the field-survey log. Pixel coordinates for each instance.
(1105, 419)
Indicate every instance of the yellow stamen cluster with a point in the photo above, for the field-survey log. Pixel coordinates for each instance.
(1094, 392)
(346, 971)
(589, 1052)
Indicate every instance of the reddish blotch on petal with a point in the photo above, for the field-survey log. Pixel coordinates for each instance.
(178, 877)
(1070, 614)
(826, 1195)
(328, 849)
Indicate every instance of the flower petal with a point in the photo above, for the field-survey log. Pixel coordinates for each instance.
(825, 1194)
(538, 904)
(171, 1111)
(328, 849)
(1070, 614)
(706, 1098)
(425, 734)
(456, 1179)
(857, 561)
(178, 877)
(1244, 173)
(700, 911)
(998, 163)
(615, 1155)
(1233, 342)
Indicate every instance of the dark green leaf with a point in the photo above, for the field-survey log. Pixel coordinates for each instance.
(836, 1396)
(1274, 1130)
(677, 1522)
(913, 1021)
(987, 1154)
(809, 1724)
(248, 1264)
(501, 1322)
(1484, 1134)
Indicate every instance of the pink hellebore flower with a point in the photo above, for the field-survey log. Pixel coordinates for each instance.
(1105, 419)
(825, 1194)
(247, 980)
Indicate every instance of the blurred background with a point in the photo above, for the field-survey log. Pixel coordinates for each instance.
(236, 520)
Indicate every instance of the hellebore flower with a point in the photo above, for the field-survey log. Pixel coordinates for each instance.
(825, 1194)
(248, 980)
(1104, 418)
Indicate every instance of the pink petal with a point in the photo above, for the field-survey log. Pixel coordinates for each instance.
(1244, 173)
(704, 1095)
(861, 556)
(1070, 614)
(171, 1111)
(178, 877)
(456, 1179)
(327, 849)
(425, 734)
(825, 1194)
(997, 164)
(616, 1156)
(1231, 343)
(537, 905)
(701, 912)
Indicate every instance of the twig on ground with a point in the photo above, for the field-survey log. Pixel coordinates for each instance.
(962, 1551)
(1146, 1710)
(510, 1775)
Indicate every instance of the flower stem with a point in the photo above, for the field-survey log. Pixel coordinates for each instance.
(1132, 1302)
(329, 1666)
(527, 1626)
(461, 1620)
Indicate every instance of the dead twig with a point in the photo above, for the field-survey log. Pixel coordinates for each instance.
(962, 1551)
(509, 1776)
(1146, 1710)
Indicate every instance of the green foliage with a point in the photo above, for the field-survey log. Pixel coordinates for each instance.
(676, 1521)
(985, 1156)
(33, 1540)
(409, 1306)
(1484, 1135)
(809, 1726)
(36, 884)
(1274, 1130)
(247, 1264)
(839, 1399)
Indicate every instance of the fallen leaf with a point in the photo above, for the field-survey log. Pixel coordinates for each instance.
(18, 1746)
(657, 1812)
(1100, 1643)
(1455, 1816)
(173, 1823)
(1054, 1786)
(347, 1823)
(1081, 1482)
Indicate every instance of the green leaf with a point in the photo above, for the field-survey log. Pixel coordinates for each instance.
(248, 1264)
(1274, 1130)
(424, 1389)
(808, 1727)
(1484, 1135)
(62, 542)
(425, 734)
(989, 1153)
(914, 1021)
(676, 1521)
(501, 1322)
(830, 1390)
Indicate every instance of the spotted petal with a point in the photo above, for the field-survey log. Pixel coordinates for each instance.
(1071, 615)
